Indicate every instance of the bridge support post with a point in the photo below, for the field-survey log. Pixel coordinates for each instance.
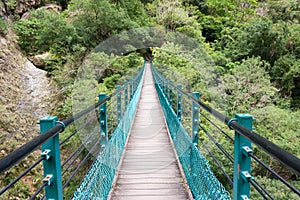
(131, 89)
(179, 99)
(51, 163)
(125, 95)
(195, 119)
(242, 160)
(167, 89)
(170, 94)
(103, 121)
(119, 102)
(163, 86)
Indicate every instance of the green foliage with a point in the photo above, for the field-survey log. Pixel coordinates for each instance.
(286, 72)
(247, 86)
(97, 20)
(175, 66)
(8, 6)
(45, 31)
(275, 188)
(293, 39)
(3, 27)
(258, 38)
(243, 37)
(237, 9)
(283, 10)
(135, 10)
(280, 126)
(211, 27)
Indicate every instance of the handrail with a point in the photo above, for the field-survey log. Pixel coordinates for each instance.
(18, 154)
(14, 157)
(283, 156)
(277, 152)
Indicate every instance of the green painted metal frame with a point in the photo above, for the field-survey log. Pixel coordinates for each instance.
(98, 181)
(179, 103)
(103, 120)
(125, 94)
(195, 119)
(51, 163)
(242, 160)
(202, 182)
(119, 103)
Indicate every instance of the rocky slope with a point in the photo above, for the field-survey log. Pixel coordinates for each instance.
(25, 96)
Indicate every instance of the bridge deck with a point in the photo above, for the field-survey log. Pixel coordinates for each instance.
(149, 168)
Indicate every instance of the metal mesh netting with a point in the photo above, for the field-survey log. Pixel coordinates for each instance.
(98, 181)
(202, 182)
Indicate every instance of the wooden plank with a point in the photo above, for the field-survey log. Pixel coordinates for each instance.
(149, 168)
(151, 180)
(168, 175)
(172, 197)
(153, 192)
(150, 186)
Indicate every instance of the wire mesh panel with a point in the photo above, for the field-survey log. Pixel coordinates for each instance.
(202, 182)
(97, 183)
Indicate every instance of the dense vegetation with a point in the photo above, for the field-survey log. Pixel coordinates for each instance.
(253, 47)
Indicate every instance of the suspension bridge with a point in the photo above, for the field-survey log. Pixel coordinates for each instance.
(146, 145)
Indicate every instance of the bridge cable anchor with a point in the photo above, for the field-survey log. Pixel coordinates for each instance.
(46, 154)
(62, 124)
(230, 121)
(48, 179)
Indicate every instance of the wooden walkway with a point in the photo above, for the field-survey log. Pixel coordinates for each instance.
(149, 167)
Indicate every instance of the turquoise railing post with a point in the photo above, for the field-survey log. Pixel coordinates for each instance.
(195, 119)
(242, 160)
(170, 94)
(131, 89)
(51, 163)
(179, 102)
(163, 86)
(103, 121)
(167, 89)
(119, 102)
(134, 85)
(125, 94)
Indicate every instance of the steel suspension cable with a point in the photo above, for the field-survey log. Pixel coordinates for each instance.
(80, 164)
(76, 150)
(74, 132)
(217, 144)
(275, 174)
(38, 191)
(15, 156)
(215, 125)
(218, 163)
(21, 175)
(274, 150)
(81, 148)
(264, 190)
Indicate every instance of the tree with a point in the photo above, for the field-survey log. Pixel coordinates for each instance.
(237, 9)
(45, 31)
(260, 37)
(247, 86)
(286, 75)
(96, 20)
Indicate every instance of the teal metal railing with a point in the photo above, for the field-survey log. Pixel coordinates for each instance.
(202, 182)
(105, 141)
(98, 181)
(185, 130)
(186, 116)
